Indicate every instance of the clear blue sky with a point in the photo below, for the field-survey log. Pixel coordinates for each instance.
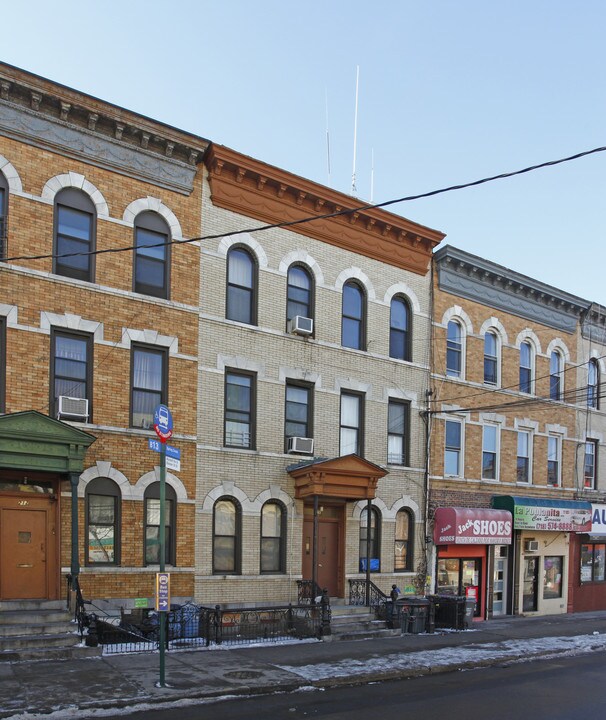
(450, 92)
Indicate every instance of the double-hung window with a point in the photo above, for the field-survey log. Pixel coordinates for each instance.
(102, 522)
(273, 535)
(241, 304)
(149, 382)
(593, 385)
(239, 410)
(590, 468)
(299, 293)
(454, 349)
(71, 370)
(298, 412)
(452, 448)
(74, 235)
(490, 452)
(526, 367)
(227, 532)
(370, 544)
(399, 329)
(3, 216)
(397, 432)
(554, 453)
(353, 322)
(152, 525)
(403, 549)
(555, 376)
(490, 358)
(2, 364)
(152, 255)
(352, 420)
(523, 457)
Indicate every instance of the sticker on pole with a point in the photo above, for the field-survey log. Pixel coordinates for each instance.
(163, 423)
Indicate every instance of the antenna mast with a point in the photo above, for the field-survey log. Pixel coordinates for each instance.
(372, 175)
(327, 139)
(353, 175)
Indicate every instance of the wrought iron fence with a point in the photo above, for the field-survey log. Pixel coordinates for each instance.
(196, 626)
(308, 592)
(362, 592)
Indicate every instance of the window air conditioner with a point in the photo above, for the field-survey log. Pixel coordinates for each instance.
(531, 545)
(72, 407)
(300, 325)
(300, 445)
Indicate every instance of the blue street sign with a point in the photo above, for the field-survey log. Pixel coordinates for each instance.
(163, 422)
(171, 452)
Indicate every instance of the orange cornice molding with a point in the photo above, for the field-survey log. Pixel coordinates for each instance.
(252, 188)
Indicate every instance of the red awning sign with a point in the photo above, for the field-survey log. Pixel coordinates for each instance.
(472, 526)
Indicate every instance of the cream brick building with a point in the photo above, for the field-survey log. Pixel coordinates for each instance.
(260, 383)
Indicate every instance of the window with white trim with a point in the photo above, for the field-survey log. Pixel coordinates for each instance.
(454, 349)
(490, 452)
(590, 466)
(491, 363)
(523, 458)
(554, 455)
(526, 367)
(556, 378)
(452, 448)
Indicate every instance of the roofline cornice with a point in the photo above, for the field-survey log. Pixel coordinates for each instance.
(252, 188)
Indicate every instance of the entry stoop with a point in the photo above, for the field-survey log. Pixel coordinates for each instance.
(39, 630)
(355, 622)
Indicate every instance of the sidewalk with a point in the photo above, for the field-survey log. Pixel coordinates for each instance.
(70, 688)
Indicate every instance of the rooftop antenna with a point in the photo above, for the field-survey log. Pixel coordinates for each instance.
(372, 175)
(327, 139)
(353, 175)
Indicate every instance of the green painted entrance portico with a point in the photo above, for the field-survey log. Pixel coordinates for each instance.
(36, 454)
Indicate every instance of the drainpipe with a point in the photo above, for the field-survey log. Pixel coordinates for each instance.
(314, 556)
(74, 479)
(368, 530)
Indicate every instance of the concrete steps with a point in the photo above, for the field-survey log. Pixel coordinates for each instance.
(352, 622)
(39, 630)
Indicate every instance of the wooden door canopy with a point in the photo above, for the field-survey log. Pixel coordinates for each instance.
(348, 478)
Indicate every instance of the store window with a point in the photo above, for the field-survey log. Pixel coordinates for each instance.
(375, 544)
(102, 522)
(593, 560)
(152, 525)
(552, 576)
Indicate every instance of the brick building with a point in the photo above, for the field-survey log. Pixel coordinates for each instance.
(90, 343)
(314, 368)
(505, 436)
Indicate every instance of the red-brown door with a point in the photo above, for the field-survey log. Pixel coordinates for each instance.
(23, 553)
(329, 531)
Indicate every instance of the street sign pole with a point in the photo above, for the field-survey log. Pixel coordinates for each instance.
(162, 615)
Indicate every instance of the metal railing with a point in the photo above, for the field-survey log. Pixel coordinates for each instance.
(365, 592)
(308, 592)
(197, 626)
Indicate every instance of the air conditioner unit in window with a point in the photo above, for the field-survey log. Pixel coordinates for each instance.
(300, 445)
(531, 546)
(300, 325)
(72, 407)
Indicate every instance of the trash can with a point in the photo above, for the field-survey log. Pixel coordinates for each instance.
(415, 615)
(470, 610)
(450, 611)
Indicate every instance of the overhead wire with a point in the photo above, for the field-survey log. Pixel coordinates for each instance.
(325, 216)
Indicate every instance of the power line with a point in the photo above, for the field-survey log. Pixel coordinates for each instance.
(312, 218)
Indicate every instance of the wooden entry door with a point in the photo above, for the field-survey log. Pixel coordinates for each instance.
(24, 552)
(329, 554)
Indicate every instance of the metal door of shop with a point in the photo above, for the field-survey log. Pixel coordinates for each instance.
(530, 587)
(499, 582)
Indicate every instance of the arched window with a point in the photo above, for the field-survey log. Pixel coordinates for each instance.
(152, 525)
(226, 537)
(299, 293)
(241, 286)
(102, 522)
(74, 233)
(152, 255)
(593, 385)
(399, 329)
(273, 535)
(526, 379)
(491, 358)
(403, 549)
(3, 215)
(454, 349)
(375, 540)
(556, 379)
(353, 323)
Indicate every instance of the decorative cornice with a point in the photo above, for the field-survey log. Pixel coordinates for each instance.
(48, 114)
(249, 187)
(466, 275)
(593, 326)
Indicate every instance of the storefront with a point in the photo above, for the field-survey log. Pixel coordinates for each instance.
(587, 585)
(463, 538)
(544, 531)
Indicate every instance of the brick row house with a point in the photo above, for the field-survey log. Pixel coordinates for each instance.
(90, 343)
